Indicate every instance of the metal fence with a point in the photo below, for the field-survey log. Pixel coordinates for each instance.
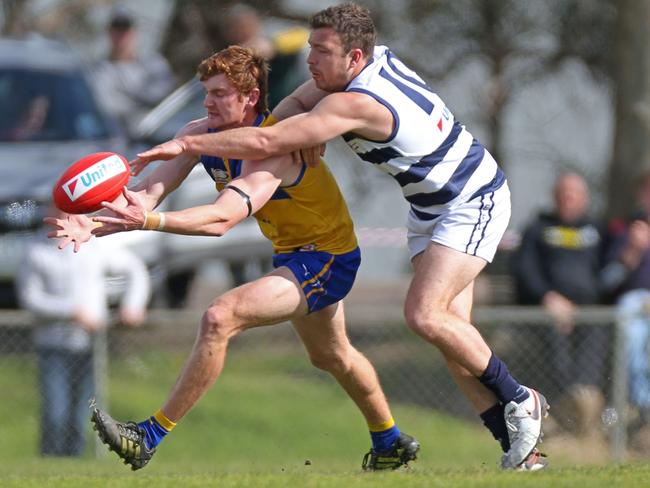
(411, 371)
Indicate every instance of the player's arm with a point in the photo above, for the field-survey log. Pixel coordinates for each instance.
(301, 100)
(239, 199)
(334, 115)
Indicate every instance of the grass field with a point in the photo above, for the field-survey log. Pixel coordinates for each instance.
(257, 428)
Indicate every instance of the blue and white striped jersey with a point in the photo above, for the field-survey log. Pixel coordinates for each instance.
(435, 159)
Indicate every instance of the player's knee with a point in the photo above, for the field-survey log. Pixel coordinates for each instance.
(217, 321)
(424, 322)
(334, 362)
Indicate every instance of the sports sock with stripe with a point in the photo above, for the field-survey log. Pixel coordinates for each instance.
(156, 427)
(384, 435)
(497, 379)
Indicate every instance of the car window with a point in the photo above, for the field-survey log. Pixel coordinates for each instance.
(47, 106)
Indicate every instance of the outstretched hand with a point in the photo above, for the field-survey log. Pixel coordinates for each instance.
(124, 219)
(162, 152)
(75, 229)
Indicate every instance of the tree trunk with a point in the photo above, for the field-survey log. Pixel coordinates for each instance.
(14, 16)
(632, 137)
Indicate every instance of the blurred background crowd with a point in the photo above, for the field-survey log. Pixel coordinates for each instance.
(558, 90)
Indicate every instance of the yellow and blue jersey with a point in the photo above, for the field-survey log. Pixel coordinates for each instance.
(309, 214)
(310, 227)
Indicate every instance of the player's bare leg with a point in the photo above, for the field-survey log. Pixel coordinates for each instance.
(442, 276)
(272, 299)
(325, 339)
(478, 395)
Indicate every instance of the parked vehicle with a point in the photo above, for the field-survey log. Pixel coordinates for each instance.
(50, 118)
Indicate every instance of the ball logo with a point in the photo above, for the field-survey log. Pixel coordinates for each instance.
(93, 176)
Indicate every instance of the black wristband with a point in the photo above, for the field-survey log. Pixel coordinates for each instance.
(242, 194)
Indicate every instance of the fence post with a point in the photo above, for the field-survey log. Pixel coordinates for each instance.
(100, 371)
(619, 391)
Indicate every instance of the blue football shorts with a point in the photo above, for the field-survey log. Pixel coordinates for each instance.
(324, 278)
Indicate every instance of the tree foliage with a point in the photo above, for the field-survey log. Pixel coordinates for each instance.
(518, 42)
(197, 29)
(631, 156)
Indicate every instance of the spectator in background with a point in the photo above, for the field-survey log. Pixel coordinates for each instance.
(127, 83)
(243, 27)
(557, 267)
(68, 295)
(285, 51)
(626, 277)
(31, 124)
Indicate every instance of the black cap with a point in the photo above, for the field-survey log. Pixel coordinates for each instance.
(121, 19)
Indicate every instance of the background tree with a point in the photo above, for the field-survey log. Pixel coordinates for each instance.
(516, 41)
(632, 74)
(197, 29)
(13, 13)
(69, 20)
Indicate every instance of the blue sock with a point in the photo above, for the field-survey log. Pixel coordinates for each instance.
(493, 419)
(498, 380)
(383, 441)
(155, 432)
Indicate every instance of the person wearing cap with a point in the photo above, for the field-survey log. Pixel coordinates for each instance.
(129, 83)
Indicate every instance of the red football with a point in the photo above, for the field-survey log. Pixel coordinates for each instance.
(96, 178)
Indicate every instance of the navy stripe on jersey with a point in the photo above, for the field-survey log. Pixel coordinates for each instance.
(423, 215)
(379, 155)
(420, 170)
(456, 183)
(423, 102)
(385, 104)
(389, 61)
(496, 183)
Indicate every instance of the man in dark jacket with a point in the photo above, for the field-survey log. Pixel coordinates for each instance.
(558, 267)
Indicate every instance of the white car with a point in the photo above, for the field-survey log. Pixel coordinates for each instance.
(49, 119)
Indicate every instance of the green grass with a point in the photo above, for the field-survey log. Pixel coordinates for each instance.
(257, 427)
(180, 475)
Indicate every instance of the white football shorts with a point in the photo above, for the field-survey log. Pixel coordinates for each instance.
(474, 227)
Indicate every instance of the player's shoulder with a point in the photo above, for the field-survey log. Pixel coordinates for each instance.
(347, 102)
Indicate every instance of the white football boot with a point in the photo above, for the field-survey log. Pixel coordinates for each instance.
(524, 423)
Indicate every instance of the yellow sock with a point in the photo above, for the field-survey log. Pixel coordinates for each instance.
(164, 421)
(381, 427)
